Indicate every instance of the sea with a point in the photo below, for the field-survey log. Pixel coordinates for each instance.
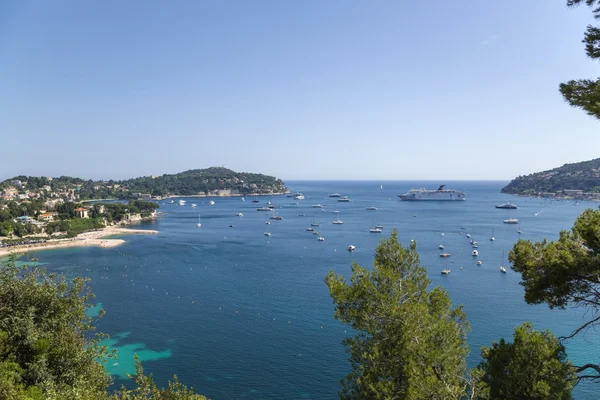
(237, 314)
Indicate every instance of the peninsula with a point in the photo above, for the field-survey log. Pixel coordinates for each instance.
(578, 180)
(214, 181)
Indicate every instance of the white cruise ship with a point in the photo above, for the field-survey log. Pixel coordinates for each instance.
(427, 194)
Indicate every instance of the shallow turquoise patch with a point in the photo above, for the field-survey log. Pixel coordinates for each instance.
(125, 363)
(94, 310)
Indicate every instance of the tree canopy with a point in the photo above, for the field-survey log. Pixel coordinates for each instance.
(585, 93)
(48, 347)
(565, 272)
(409, 343)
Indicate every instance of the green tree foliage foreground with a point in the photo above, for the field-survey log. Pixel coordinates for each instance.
(411, 344)
(48, 348)
(565, 273)
(585, 93)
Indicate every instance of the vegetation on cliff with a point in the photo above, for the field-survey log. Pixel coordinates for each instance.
(208, 181)
(582, 176)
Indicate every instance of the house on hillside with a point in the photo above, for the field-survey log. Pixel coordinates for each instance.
(81, 212)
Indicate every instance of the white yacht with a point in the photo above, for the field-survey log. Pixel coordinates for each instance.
(379, 226)
(474, 253)
(310, 229)
(441, 247)
(317, 206)
(212, 203)
(335, 195)
(182, 202)
(321, 239)
(375, 230)
(511, 220)
(239, 214)
(479, 262)
(338, 221)
(371, 208)
(344, 199)
(351, 247)
(445, 271)
(267, 233)
(194, 205)
(440, 194)
(263, 209)
(299, 196)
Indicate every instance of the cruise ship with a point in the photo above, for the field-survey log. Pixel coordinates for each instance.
(439, 194)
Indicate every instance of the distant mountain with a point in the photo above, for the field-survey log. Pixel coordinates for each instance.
(583, 175)
(217, 181)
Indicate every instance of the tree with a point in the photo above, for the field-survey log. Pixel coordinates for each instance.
(585, 93)
(48, 349)
(565, 273)
(534, 366)
(409, 343)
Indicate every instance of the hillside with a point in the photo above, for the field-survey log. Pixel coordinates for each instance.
(583, 175)
(208, 181)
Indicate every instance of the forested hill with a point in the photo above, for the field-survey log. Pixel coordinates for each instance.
(583, 175)
(208, 181)
(205, 181)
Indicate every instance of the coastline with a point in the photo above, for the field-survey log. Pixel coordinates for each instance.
(225, 195)
(92, 238)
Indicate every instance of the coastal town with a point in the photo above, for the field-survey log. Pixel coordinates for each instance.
(36, 213)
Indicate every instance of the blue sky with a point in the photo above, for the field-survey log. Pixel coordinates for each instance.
(297, 89)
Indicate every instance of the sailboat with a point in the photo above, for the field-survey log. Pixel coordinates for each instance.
(199, 224)
(519, 231)
(492, 238)
(381, 187)
(338, 221)
(313, 222)
(502, 269)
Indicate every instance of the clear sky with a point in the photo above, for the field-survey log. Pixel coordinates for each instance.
(311, 89)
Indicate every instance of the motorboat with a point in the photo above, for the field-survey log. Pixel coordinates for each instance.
(321, 239)
(474, 253)
(212, 203)
(445, 271)
(317, 206)
(511, 220)
(351, 248)
(479, 262)
(375, 230)
(194, 205)
(335, 195)
(441, 247)
(445, 255)
(239, 214)
(310, 229)
(344, 199)
(267, 233)
(371, 208)
(507, 206)
(263, 209)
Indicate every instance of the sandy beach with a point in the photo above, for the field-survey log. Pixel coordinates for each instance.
(93, 238)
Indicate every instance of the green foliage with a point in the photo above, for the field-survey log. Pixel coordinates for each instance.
(46, 341)
(564, 273)
(48, 348)
(585, 93)
(582, 176)
(534, 366)
(146, 389)
(410, 343)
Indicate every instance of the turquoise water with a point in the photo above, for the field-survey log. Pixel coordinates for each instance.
(237, 314)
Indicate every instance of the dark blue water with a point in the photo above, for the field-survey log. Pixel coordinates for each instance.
(237, 314)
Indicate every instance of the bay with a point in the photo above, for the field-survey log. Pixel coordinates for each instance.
(237, 314)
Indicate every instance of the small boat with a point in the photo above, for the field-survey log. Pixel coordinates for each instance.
(231, 226)
(310, 229)
(243, 199)
(375, 230)
(271, 206)
(371, 208)
(276, 217)
(468, 235)
(507, 206)
(492, 238)
(441, 247)
(267, 233)
(212, 203)
(239, 214)
(315, 233)
(474, 242)
(379, 226)
(171, 202)
(182, 202)
(199, 224)
(502, 268)
(321, 239)
(298, 196)
(475, 246)
(317, 206)
(380, 187)
(444, 255)
(335, 195)
(295, 203)
(255, 201)
(194, 205)
(351, 247)
(479, 262)
(338, 221)
(511, 221)
(263, 209)
(268, 222)
(445, 271)
(519, 231)
(463, 227)
(474, 253)
(344, 199)
(314, 223)
(441, 234)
